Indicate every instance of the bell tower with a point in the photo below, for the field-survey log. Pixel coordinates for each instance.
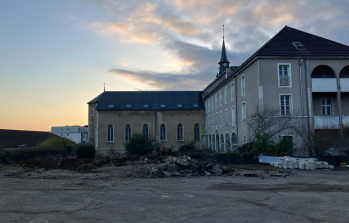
(224, 63)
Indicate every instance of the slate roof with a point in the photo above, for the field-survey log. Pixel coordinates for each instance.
(224, 57)
(13, 138)
(137, 99)
(281, 45)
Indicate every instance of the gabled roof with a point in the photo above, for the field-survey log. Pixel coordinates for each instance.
(282, 45)
(149, 100)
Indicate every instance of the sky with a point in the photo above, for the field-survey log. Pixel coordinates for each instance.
(55, 56)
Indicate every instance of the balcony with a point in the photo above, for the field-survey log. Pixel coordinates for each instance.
(324, 85)
(329, 121)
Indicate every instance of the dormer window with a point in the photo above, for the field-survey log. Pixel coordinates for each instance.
(129, 106)
(162, 106)
(110, 106)
(145, 106)
(299, 46)
(179, 105)
(195, 105)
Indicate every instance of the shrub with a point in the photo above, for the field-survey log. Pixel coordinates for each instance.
(86, 151)
(139, 144)
(189, 147)
(56, 141)
(245, 148)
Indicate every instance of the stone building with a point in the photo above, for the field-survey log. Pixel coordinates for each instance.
(303, 75)
(171, 117)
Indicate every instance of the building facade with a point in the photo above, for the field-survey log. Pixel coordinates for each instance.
(301, 75)
(171, 117)
(77, 134)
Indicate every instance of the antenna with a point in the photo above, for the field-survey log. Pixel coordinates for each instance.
(104, 86)
(223, 28)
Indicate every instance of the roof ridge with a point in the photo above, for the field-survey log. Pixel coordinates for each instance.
(316, 36)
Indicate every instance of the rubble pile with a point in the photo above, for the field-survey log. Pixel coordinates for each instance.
(287, 162)
(76, 164)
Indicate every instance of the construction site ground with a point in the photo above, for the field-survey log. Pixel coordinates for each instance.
(109, 194)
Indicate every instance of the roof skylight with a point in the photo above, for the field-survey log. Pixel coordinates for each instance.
(129, 106)
(162, 106)
(111, 106)
(195, 105)
(299, 46)
(179, 105)
(145, 106)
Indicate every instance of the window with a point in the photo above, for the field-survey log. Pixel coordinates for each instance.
(196, 132)
(128, 106)
(179, 132)
(245, 139)
(92, 129)
(284, 76)
(92, 111)
(208, 103)
(225, 95)
(216, 118)
(233, 116)
(195, 105)
(127, 132)
(110, 137)
(145, 130)
(232, 91)
(243, 85)
(162, 106)
(212, 119)
(145, 106)
(110, 106)
(212, 104)
(220, 98)
(285, 104)
(216, 105)
(325, 74)
(298, 46)
(221, 118)
(179, 105)
(226, 116)
(326, 106)
(209, 121)
(243, 110)
(163, 132)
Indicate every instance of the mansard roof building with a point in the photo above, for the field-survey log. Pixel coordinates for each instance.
(302, 75)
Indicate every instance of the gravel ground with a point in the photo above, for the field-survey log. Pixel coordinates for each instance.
(108, 195)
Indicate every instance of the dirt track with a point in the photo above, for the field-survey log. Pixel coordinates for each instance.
(108, 195)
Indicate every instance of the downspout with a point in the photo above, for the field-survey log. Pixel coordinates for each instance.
(155, 116)
(236, 112)
(308, 92)
(300, 82)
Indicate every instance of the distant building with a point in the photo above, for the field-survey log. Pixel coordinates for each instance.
(77, 134)
(21, 138)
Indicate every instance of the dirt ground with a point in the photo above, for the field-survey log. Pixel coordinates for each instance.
(111, 194)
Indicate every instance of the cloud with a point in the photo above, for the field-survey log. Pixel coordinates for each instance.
(191, 32)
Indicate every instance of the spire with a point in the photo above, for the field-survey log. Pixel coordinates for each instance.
(224, 58)
(224, 62)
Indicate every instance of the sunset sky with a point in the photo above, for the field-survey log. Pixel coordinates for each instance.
(56, 55)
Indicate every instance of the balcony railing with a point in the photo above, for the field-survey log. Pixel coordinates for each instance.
(324, 84)
(329, 121)
(284, 81)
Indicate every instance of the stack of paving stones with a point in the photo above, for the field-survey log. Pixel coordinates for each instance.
(287, 162)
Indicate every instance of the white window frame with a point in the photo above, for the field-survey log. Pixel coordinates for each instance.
(165, 132)
(225, 95)
(212, 107)
(226, 116)
(208, 105)
(216, 118)
(291, 103)
(209, 121)
(216, 98)
(243, 111)
(112, 135)
(289, 73)
(232, 91)
(331, 105)
(220, 98)
(243, 85)
(181, 140)
(92, 111)
(221, 117)
(233, 116)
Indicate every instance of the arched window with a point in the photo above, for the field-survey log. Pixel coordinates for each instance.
(196, 132)
(110, 133)
(92, 111)
(145, 130)
(179, 132)
(162, 132)
(127, 132)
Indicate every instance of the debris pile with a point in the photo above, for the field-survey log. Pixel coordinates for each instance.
(76, 164)
(287, 162)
